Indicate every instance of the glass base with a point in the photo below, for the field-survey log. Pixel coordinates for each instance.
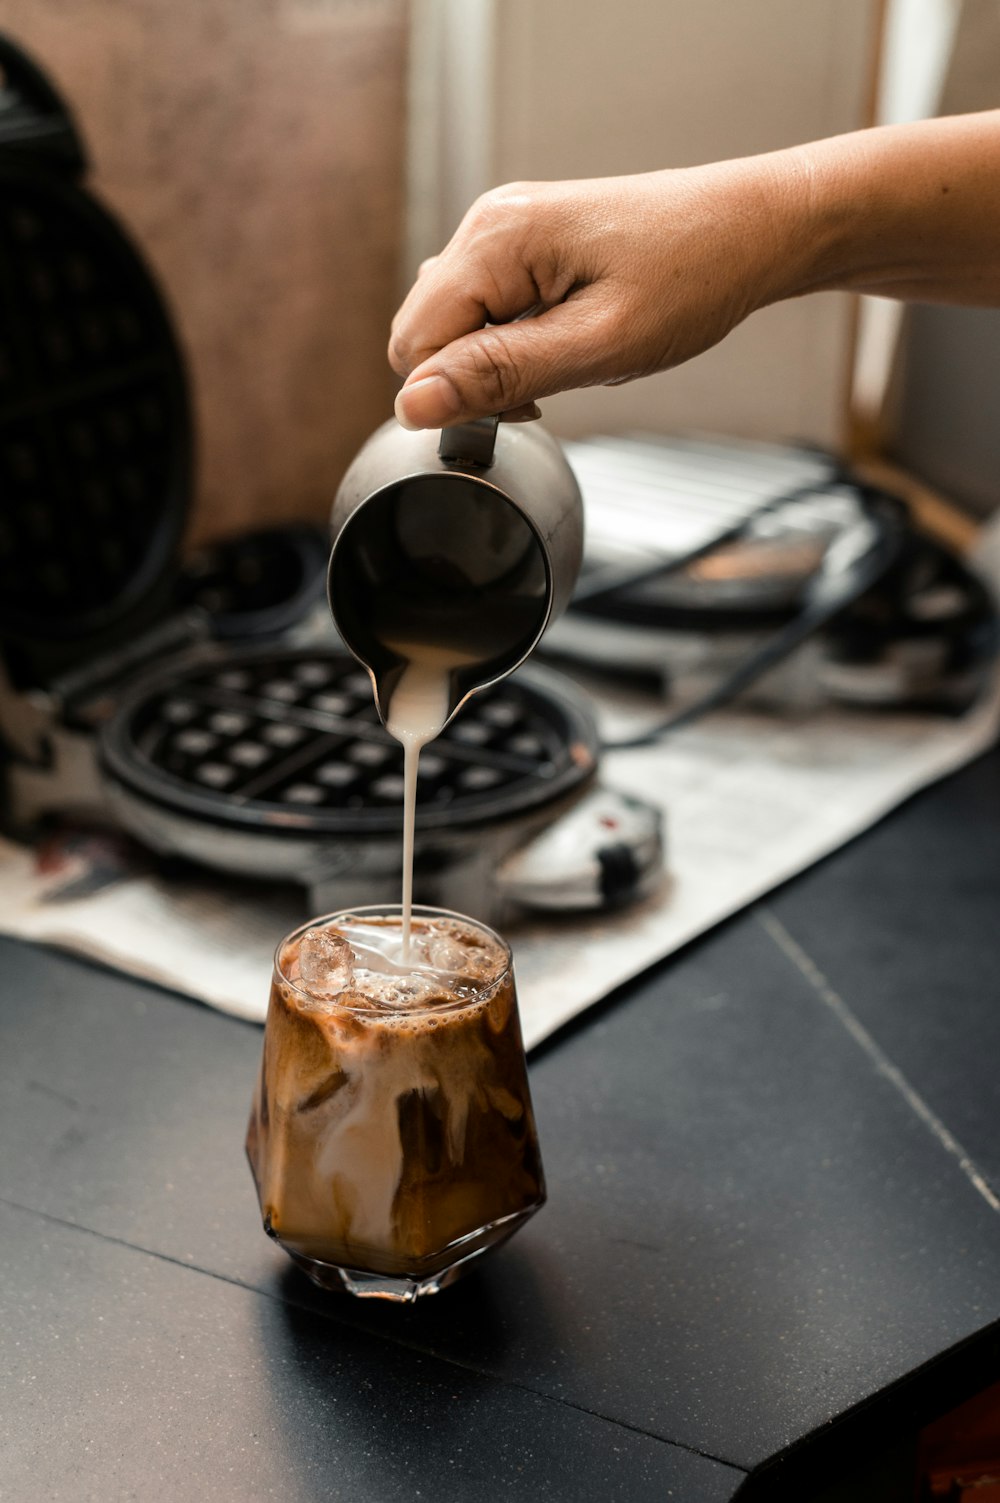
(402, 1289)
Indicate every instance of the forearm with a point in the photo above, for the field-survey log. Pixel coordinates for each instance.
(908, 211)
(637, 274)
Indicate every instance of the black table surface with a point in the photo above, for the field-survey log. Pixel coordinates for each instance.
(771, 1239)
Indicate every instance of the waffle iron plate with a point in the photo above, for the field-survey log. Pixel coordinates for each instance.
(289, 741)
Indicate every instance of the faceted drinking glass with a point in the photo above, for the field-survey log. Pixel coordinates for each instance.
(392, 1138)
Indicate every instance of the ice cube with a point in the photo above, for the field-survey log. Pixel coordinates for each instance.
(466, 960)
(377, 947)
(326, 963)
(441, 951)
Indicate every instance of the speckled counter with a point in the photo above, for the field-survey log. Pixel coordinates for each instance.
(771, 1249)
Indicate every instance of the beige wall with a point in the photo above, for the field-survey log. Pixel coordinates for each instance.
(580, 88)
(254, 149)
(939, 419)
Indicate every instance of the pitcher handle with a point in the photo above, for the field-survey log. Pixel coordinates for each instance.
(469, 443)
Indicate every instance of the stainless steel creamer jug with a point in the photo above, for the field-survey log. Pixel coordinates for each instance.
(466, 541)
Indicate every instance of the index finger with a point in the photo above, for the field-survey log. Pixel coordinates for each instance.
(455, 296)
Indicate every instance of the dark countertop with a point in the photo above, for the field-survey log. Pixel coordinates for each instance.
(771, 1243)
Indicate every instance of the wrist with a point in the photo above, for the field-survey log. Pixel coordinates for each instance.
(908, 211)
(812, 203)
(782, 219)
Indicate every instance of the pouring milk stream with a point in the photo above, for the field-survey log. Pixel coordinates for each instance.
(416, 713)
(449, 559)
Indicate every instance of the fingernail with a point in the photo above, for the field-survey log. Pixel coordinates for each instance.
(428, 403)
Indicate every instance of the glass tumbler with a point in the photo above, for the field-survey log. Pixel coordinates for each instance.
(392, 1138)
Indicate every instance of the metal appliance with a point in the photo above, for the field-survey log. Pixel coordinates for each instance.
(710, 562)
(190, 705)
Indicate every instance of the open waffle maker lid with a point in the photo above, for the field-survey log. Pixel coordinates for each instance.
(95, 426)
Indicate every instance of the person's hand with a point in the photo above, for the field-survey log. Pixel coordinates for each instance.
(623, 276)
(630, 275)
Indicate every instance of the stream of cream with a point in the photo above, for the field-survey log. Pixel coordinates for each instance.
(416, 714)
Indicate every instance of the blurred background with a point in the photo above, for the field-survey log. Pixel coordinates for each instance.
(255, 150)
(285, 164)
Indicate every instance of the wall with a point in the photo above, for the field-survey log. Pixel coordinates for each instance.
(941, 412)
(578, 88)
(254, 149)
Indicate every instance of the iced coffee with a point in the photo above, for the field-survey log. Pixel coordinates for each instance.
(392, 1137)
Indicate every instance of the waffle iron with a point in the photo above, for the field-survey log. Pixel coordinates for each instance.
(704, 551)
(197, 707)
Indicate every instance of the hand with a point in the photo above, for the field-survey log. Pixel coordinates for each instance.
(626, 276)
(632, 275)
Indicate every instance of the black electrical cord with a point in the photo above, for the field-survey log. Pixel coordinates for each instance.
(855, 561)
(602, 588)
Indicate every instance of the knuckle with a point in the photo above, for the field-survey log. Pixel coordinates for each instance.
(493, 369)
(499, 205)
(395, 355)
(515, 193)
(399, 351)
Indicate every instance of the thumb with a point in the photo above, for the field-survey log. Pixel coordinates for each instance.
(505, 366)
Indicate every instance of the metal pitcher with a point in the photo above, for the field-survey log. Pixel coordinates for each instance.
(468, 540)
